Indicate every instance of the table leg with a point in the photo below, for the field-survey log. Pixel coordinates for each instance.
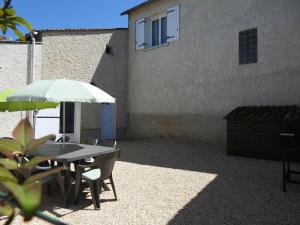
(68, 183)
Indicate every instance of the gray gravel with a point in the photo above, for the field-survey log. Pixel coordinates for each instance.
(174, 182)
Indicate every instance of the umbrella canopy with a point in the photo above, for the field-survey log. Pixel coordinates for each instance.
(21, 106)
(61, 90)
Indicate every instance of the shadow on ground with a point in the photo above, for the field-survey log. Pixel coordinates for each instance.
(245, 191)
(228, 190)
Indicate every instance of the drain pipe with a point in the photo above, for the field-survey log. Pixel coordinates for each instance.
(29, 114)
(31, 59)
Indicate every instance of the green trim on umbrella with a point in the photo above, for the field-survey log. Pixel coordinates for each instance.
(22, 105)
(5, 93)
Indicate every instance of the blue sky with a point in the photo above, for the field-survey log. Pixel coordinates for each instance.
(43, 14)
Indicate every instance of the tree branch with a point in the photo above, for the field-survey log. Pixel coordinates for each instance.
(7, 4)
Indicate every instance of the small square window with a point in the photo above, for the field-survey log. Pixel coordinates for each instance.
(248, 46)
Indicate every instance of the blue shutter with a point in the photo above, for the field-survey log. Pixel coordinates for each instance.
(140, 34)
(173, 23)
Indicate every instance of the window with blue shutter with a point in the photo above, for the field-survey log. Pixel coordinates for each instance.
(157, 30)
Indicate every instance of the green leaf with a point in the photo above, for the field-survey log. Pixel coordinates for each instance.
(1, 12)
(41, 176)
(6, 209)
(10, 147)
(6, 175)
(10, 12)
(9, 164)
(3, 28)
(28, 196)
(35, 161)
(22, 21)
(23, 132)
(37, 142)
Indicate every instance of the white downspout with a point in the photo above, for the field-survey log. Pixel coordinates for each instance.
(29, 114)
(31, 61)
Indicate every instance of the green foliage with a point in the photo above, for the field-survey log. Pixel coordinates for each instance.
(9, 20)
(24, 190)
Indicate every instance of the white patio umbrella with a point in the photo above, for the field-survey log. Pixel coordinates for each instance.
(61, 90)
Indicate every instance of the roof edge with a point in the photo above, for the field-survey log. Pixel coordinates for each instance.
(138, 6)
(80, 29)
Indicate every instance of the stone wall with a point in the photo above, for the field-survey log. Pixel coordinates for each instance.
(184, 89)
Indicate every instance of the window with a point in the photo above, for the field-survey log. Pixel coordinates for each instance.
(248, 46)
(69, 119)
(164, 30)
(157, 30)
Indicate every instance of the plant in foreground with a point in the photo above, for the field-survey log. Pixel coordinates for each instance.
(9, 20)
(23, 191)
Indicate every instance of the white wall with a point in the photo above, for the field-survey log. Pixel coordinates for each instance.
(186, 88)
(80, 55)
(14, 62)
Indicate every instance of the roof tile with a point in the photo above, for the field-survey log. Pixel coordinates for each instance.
(265, 113)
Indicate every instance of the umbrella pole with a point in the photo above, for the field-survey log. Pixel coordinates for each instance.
(64, 123)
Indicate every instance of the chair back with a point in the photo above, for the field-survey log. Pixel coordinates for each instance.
(106, 162)
(109, 143)
(61, 139)
(91, 141)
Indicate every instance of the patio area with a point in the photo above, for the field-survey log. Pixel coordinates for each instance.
(175, 182)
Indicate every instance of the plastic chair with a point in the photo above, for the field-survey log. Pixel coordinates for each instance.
(109, 143)
(89, 141)
(100, 170)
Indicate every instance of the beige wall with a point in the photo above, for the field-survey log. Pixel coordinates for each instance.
(186, 88)
(80, 55)
(14, 73)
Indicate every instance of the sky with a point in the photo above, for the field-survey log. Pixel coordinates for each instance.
(53, 14)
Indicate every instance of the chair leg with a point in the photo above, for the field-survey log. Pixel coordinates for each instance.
(113, 186)
(283, 177)
(77, 186)
(288, 176)
(49, 190)
(61, 187)
(105, 187)
(94, 187)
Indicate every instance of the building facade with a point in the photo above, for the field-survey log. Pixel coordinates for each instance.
(178, 69)
(225, 54)
(96, 56)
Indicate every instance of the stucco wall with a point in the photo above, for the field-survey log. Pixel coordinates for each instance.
(14, 73)
(80, 55)
(186, 88)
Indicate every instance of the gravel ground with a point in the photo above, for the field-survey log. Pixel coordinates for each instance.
(174, 182)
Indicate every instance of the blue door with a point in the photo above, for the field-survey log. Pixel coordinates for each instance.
(108, 128)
